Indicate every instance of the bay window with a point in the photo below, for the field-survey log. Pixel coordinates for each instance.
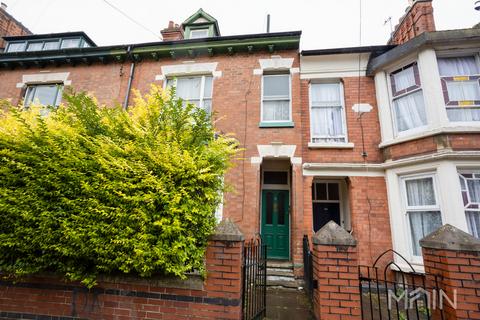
(327, 113)
(408, 103)
(196, 90)
(470, 187)
(422, 209)
(276, 105)
(43, 94)
(461, 87)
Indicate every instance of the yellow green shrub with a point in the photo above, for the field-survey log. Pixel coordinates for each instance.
(90, 190)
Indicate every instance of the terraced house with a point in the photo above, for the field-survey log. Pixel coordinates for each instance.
(383, 140)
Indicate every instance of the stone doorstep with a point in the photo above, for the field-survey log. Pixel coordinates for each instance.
(279, 264)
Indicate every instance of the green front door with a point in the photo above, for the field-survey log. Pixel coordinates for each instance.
(275, 223)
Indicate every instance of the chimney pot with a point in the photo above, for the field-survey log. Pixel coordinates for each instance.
(172, 32)
(4, 6)
(170, 24)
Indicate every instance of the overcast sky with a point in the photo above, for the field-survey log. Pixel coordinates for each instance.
(325, 24)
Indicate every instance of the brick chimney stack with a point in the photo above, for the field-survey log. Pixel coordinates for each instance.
(172, 32)
(417, 20)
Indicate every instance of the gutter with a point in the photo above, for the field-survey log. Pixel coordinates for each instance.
(130, 78)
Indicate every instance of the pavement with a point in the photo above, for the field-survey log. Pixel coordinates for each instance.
(288, 304)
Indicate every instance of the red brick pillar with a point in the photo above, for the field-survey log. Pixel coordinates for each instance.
(454, 257)
(335, 267)
(224, 268)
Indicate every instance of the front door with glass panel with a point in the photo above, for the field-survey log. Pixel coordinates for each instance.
(275, 223)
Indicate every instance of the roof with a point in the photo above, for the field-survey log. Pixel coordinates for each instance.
(367, 49)
(249, 43)
(202, 14)
(437, 38)
(52, 35)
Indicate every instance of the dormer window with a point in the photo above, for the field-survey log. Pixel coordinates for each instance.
(198, 33)
(34, 43)
(200, 25)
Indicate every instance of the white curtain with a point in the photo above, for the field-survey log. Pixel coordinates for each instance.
(461, 66)
(276, 110)
(463, 114)
(326, 94)
(422, 223)
(189, 88)
(326, 115)
(410, 111)
(473, 222)
(474, 190)
(420, 192)
(404, 79)
(327, 122)
(463, 90)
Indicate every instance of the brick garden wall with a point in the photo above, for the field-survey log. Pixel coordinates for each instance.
(218, 297)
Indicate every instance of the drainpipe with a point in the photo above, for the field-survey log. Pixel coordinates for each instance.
(130, 78)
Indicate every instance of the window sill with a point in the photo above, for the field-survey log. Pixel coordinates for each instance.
(459, 127)
(338, 145)
(286, 124)
(404, 267)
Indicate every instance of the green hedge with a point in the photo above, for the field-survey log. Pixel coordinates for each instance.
(90, 190)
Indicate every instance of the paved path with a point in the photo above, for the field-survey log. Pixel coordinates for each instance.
(288, 304)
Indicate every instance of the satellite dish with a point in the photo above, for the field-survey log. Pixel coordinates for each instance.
(477, 5)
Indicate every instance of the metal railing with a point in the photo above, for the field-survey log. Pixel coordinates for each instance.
(254, 280)
(308, 267)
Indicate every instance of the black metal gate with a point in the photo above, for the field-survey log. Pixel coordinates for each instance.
(254, 280)
(400, 295)
(308, 267)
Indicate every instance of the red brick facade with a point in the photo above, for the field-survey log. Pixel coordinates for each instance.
(9, 26)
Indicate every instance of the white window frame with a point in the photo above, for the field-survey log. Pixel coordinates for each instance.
(202, 87)
(464, 171)
(344, 116)
(443, 80)
(207, 30)
(58, 97)
(271, 99)
(393, 97)
(406, 208)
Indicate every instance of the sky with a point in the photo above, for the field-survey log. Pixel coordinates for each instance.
(325, 24)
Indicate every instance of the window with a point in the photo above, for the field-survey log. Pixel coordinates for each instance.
(408, 103)
(198, 33)
(422, 209)
(197, 90)
(51, 45)
(48, 94)
(276, 98)
(70, 43)
(461, 88)
(470, 186)
(326, 204)
(275, 177)
(327, 113)
(16, 46)
(35, 46)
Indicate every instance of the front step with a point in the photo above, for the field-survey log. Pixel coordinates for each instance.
(280, 274)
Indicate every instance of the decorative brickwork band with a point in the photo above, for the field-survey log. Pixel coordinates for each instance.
(454, 256)
(335, 265)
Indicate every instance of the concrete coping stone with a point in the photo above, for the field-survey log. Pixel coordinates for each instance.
(334, 235)
(448, 237)
(227, 230)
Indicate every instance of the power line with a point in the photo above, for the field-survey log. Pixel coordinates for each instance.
(131, 19)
